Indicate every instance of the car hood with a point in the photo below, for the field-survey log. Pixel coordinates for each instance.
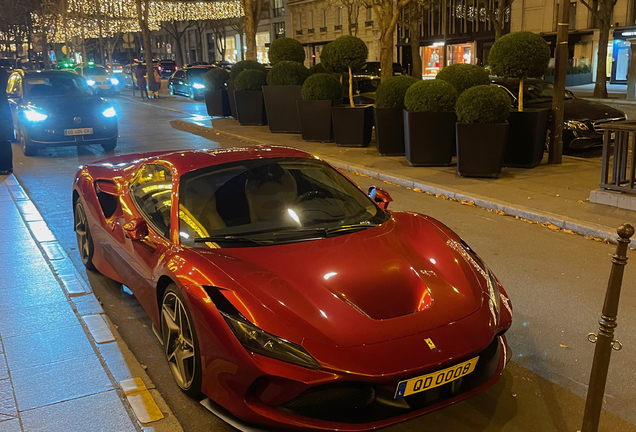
(404, 277)
(581, 109)
(63, 106)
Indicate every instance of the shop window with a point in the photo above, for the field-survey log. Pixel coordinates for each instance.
(324, 18)
(339, 16)
(262, 42)
(368, 14)
(279, 8)
(461, 53)
(279, 30)
(431, 58)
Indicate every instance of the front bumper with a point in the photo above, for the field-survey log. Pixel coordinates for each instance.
(50, 132)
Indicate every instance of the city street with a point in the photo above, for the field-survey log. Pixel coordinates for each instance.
(556, 282)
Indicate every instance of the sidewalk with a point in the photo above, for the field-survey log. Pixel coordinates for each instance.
(63, 367)
(555, 195)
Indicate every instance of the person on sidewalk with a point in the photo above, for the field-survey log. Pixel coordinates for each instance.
(141, 81)
(6, 128)
(156, 83)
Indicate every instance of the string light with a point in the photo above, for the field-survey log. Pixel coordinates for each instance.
(82, 18)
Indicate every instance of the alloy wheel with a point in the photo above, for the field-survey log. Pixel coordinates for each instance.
(83, 236)
(178, 341)
(171, 90)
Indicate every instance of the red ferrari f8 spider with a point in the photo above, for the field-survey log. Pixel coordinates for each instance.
(286, 294)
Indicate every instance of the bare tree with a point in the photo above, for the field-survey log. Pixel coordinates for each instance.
(496, 11)
(201, 26)
(602, 11)
(238, 25)
(353, 13)
(387, 12)
(218, 28)
(176, 30)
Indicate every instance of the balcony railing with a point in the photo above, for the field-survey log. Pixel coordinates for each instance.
(323, 29)
(310, 31)
(299, 32)
(337, 27)
(368, 23)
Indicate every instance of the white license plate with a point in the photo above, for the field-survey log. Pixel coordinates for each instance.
(81, 131)
(435, 379)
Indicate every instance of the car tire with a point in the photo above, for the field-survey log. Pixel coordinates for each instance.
(28, 148)
(180, 340)
(109, 145)
(171, 90)
(83, 234)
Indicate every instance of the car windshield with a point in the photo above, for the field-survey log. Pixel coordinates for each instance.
(367, 85)
(56, 86)
(265, 198)
(537, 92)
(94, 71)
(197, 72)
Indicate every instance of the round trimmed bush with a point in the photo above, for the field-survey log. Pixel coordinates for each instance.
(319, 68)
(390, 93)
(216, 78)
(343, 53)
(464, 76)
(430, 96)
(483, 104)
(519, 55)
(243, 65)
(250, 80)
(287, 72)
(321, 87)
(286, 49)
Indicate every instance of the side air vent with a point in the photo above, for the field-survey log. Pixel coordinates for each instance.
(107, 196)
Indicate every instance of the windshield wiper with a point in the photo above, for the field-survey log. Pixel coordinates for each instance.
(354, 227)
(230, 238)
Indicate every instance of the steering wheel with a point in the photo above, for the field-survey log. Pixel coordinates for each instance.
(309, 196)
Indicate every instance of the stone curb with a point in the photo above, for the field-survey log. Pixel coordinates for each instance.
(85, 304)
(579, 227)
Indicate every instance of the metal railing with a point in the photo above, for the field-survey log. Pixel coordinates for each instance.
(368, 23)
(323, 29)
(310, 31)
(337, 27)
(618, 170)
(299, 32)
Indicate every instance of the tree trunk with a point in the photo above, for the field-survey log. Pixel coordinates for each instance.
(498, 31)
(386, 55)
(414, 38)
(520, 95)
(147, 51)
(600, 87)
(252, 10)
(351, 88)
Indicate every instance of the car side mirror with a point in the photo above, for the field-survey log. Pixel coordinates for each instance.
(136, 229)
(380, 196)
(568, 92)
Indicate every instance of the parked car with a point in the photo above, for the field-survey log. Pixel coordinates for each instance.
(188, 82)
(98, 78)
(223, 64)
(373, 68)
(59, 108)
(128, 74)
(581, 117)
(288, 295)
(166, 68)
(115, 67)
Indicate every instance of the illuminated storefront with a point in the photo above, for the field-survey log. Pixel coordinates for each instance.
(457, 53)
(461, 53)
(262, 42)
(619, 54)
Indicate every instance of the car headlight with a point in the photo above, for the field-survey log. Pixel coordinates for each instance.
(575, 124)
(261, 342)
(494, 299)
(198, 86)
(34, 116)
(114, 81)
(110, 112)
(90, 82)
(493, 290)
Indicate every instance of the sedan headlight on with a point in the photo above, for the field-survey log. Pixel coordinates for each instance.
(90, 82)
(34, 116)
(198, 86)
(110, 112)
(261, 342)
(575, 124)
(114, 81)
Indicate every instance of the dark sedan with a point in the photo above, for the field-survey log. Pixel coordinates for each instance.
(373, 69)
(167, 68)
(188, 82)
(581, 117)
(58, 108)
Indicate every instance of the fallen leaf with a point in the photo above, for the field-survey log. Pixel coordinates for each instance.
(468, 203)
(564, 346)
(417, 190)
(218, 133)
(558, 195)
(143, 366)
(581, 202)
(568, 231)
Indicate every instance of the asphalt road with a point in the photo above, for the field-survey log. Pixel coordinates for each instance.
(556, 282)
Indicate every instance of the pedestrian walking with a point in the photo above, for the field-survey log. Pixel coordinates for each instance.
(140, 73)
(6, 127)
(156, 83)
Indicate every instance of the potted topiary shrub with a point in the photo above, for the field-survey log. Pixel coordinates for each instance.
(284, 81)
(319, 94)
(250, 107)
(482, 114)
(519, 56)
(216, 98)
(353, 124)
(389, 117)
(237, 69)
(429, 123)
(286, 49)
(464, 76)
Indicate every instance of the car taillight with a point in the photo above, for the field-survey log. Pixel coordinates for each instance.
(158, 67)
(176, 68)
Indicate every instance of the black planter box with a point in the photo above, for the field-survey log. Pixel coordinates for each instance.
(389, 131)
(429, 138)
(217, 103)
(230, 96)
(250, 108)
(315, 119)
(480, 148)
(526, 138)
(282, 112)
(352, 126)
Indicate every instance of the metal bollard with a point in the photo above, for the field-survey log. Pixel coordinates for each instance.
(605, 339)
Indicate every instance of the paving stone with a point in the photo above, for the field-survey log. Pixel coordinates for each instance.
(23, 273)
(23, 321)
(7, 402)
(56, 382)
(31, 295)
(53, 251)
(35, 349)
(74, 286)
(87, 305)
(10, 426)
(102, 412)
(41, 231)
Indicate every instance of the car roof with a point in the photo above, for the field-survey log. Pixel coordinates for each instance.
(52, 72)
(186, 161)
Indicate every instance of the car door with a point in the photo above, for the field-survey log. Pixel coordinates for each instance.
(15, 94)
(146, 227)
(178, 82)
